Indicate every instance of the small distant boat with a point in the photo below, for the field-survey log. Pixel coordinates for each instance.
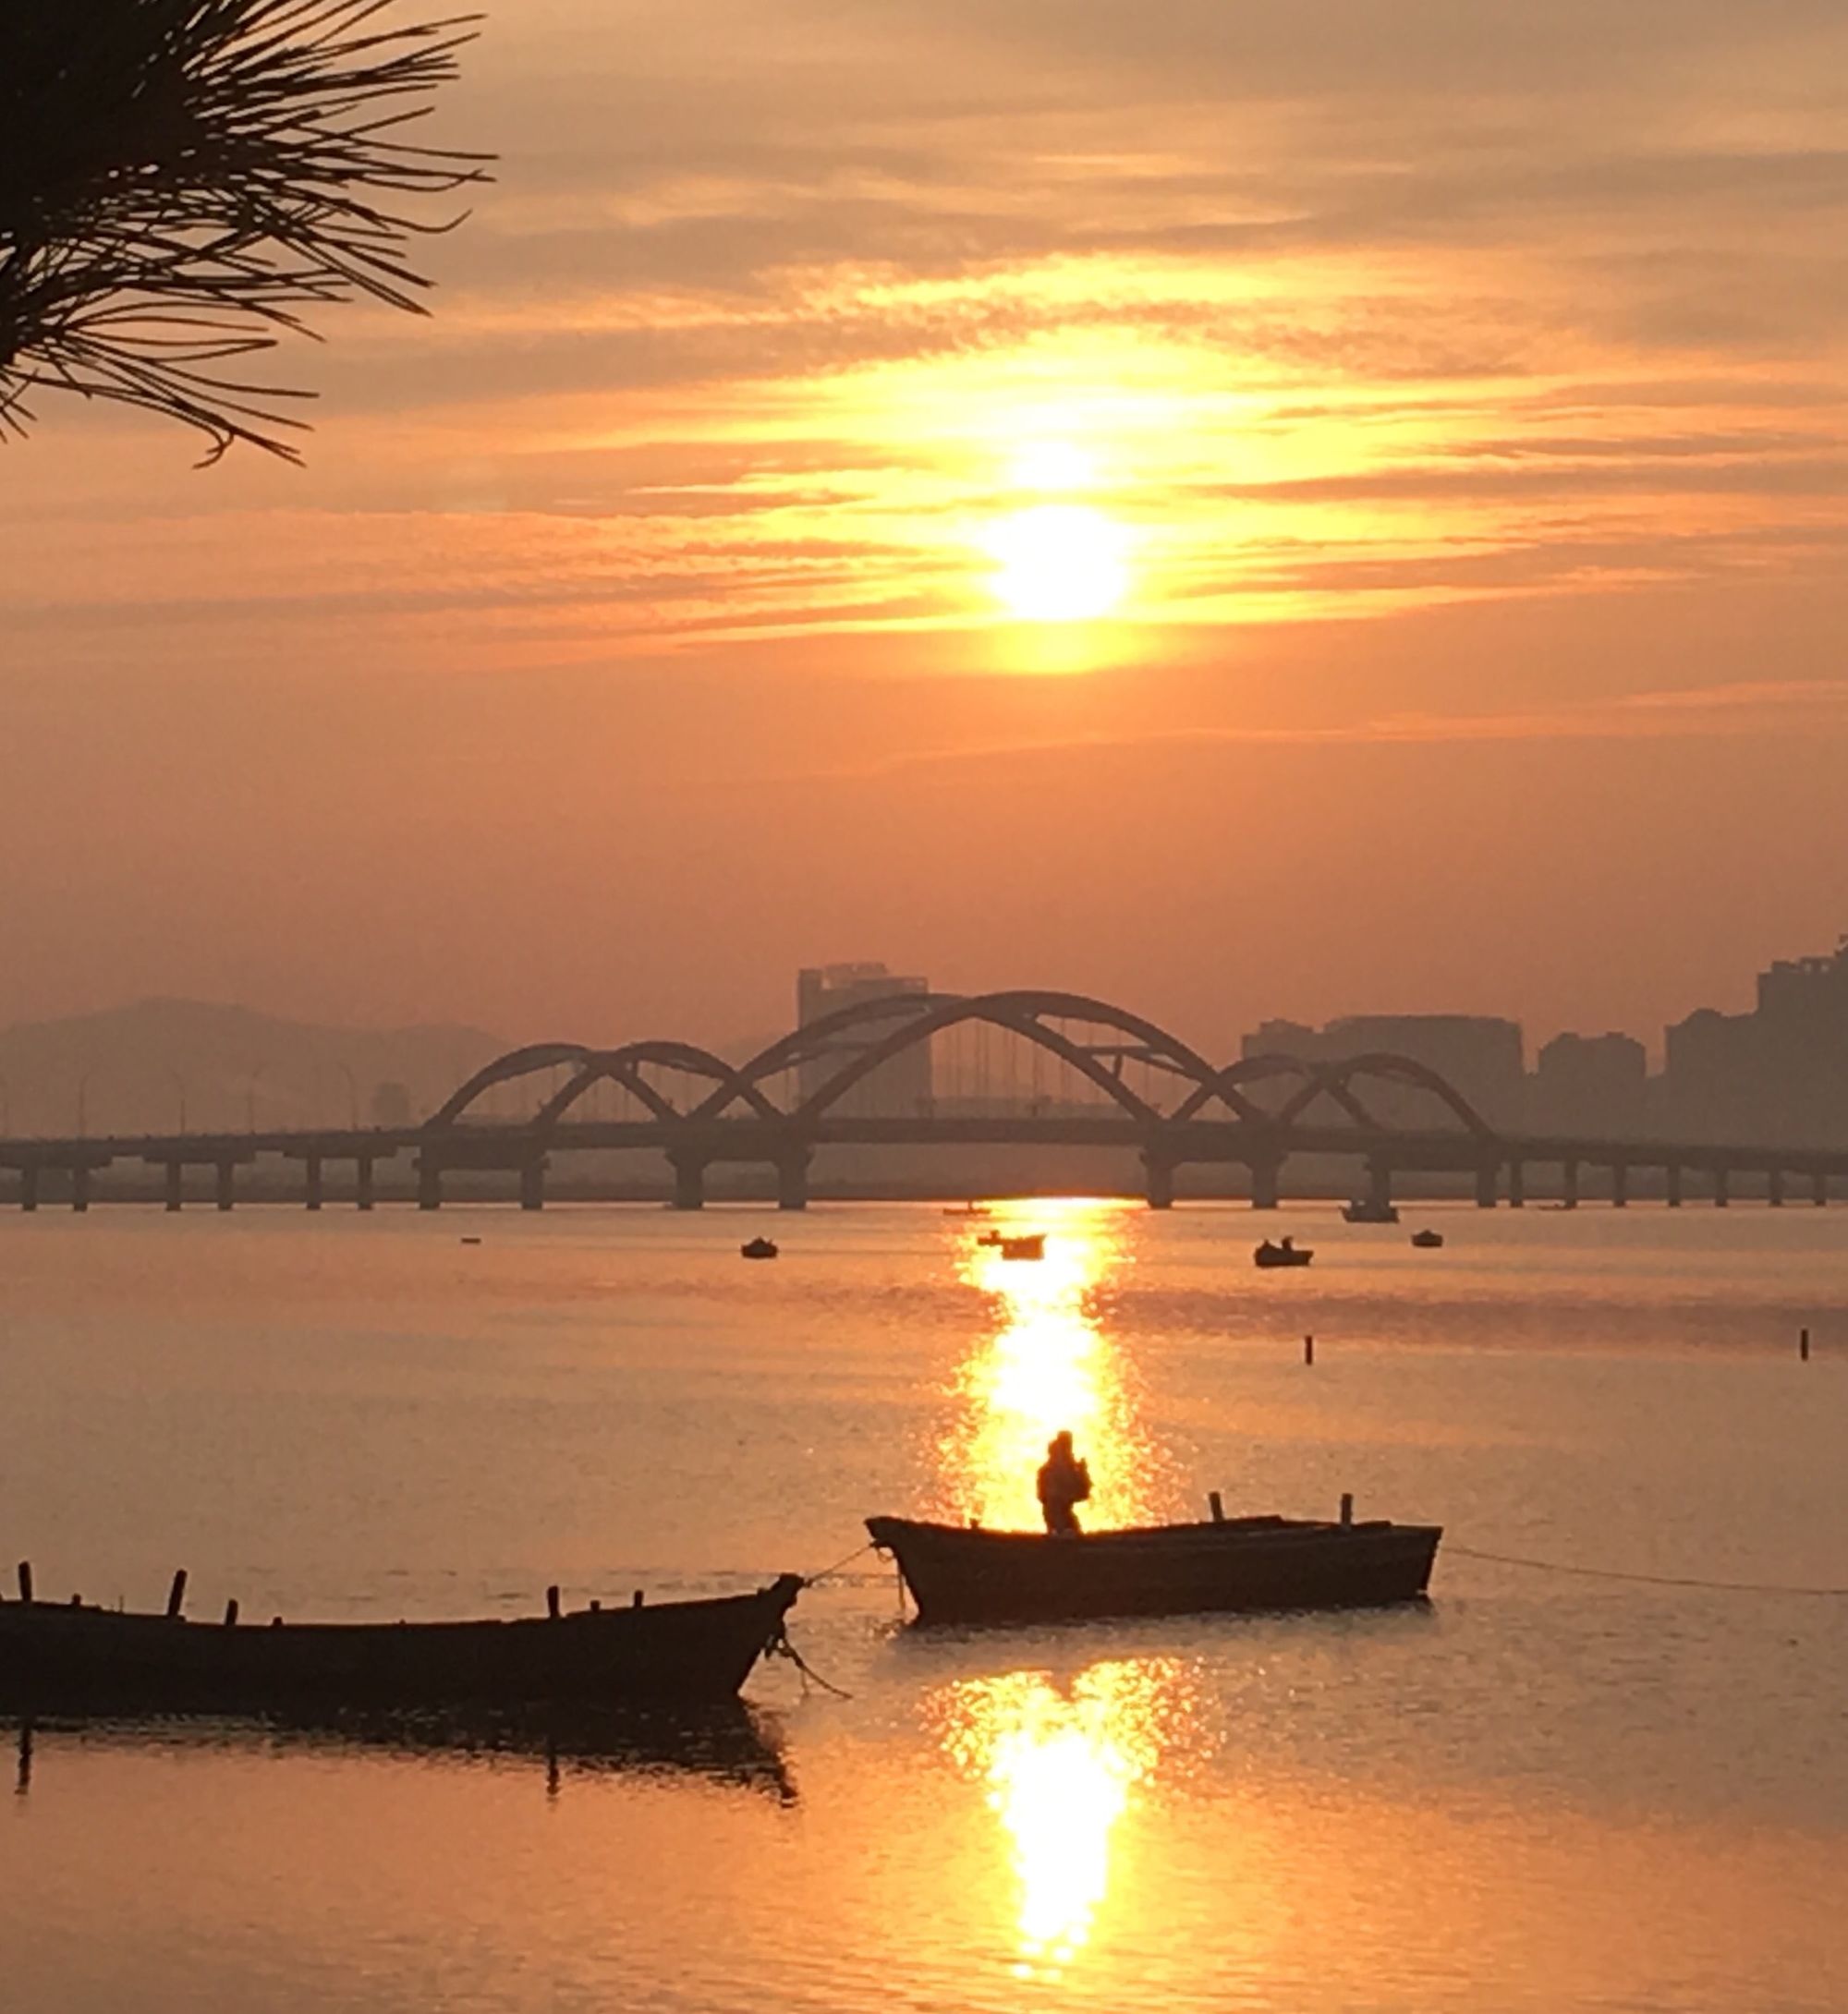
(969, 1209)
(990, 1237)
(1428, 1240)
(73, 1657)
(976, 1576)
(1363, 1211)
(758, 1248)
(1284, 1253)
(471, 1240)
(1030, 1246)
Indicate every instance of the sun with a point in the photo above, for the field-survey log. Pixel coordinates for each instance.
(1060, 563)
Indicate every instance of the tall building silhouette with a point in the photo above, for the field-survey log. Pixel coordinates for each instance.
(1779, 1073)
(901, 1087)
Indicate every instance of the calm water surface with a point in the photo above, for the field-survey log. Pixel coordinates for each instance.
(1542, 1792)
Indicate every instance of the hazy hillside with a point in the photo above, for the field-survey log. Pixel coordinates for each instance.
(132, 1069)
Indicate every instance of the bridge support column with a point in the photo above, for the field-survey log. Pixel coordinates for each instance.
(1723, 1187)
(311, 1175)
(362, 1183)
(29, 1186)
(1819, 1192)
(176, 1185)
(80, 1187)
(227, 1175)
(1568, 1184)
(532, 1184)
(1620, 1185)
(792, 1179)
(1379, 1184)
(429, 1183)
(1487, 1179)
(689, 1182)
(1671, 1182)
(1266, 1182)
(1160, 1171)
(1774, 1188)
(1517, 1185)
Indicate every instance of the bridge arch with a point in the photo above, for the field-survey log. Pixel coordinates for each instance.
(1336, 1080)
(624, 1066)
(517, 1063)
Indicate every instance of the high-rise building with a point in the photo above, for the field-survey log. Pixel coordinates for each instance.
(1594, 1085)
(899, 1087)
(1780, 1074)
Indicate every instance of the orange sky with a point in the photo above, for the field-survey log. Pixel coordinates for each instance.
(1460, 387)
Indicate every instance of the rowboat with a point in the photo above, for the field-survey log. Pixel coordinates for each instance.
(76, 1658)
(1031, 1245)
(1287, 1253)
(758, 1248)
(977, 1576)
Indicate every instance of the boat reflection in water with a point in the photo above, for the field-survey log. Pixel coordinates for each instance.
(726, 1744)
(1059, 1759)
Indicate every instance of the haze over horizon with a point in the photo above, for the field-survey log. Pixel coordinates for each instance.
(1266, 511)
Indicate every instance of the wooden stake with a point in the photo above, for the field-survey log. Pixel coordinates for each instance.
(25, 1579)
(177, 1595)
(1216, 1507)
(1309, 1350)
(1802, 1346)
(551, 1608)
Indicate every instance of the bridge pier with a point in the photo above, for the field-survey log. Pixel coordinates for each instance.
(1569, 1183)
(428, 1181)
(362, 1183)
(689, 1181)
(1267, 1182)
(227, 1174)
(176, 1180)
(1487, 1179)
(1774, 1188)
(1820, 1189)
(1517, 1185)
(29, 1186)
(80, 1186)
(1160, 1169)
(792, 1179)
(532, 1184)
(1379, 1182)
(1723, 1187)
(1671, 1182)
(1620, 1185)
(311, 1175)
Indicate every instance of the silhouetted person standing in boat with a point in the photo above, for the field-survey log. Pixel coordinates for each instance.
(1063, 1483)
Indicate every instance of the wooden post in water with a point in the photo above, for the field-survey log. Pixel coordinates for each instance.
(26, 1581)
(1802, 1346)
(1346, 1507)
(551, 1608)
(177, 1595)
(1309, 1351)
(1216, 1505)
(231, 1613)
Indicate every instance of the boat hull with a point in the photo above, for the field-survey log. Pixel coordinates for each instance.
(975, 1576)
(84, 1659)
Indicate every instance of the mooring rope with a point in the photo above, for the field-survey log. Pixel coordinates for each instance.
(809, 1580)
(1647, 1580)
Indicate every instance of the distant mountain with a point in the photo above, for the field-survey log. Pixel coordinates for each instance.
(139, 1069)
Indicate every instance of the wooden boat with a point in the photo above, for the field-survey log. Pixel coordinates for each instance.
(1428, 1240)
(758, 1248)
(1030, 1246)
(78, 1658)
(1283, 1254)
(977, 1576)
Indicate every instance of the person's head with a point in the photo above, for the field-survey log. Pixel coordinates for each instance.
(1060, 1444)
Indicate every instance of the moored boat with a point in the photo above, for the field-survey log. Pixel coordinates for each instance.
(1287, 1252)
(1428, 1240)
(1363, 1211)
(75, 1657)
(758, 1248)
(975, 1576)
(1031, 1245)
